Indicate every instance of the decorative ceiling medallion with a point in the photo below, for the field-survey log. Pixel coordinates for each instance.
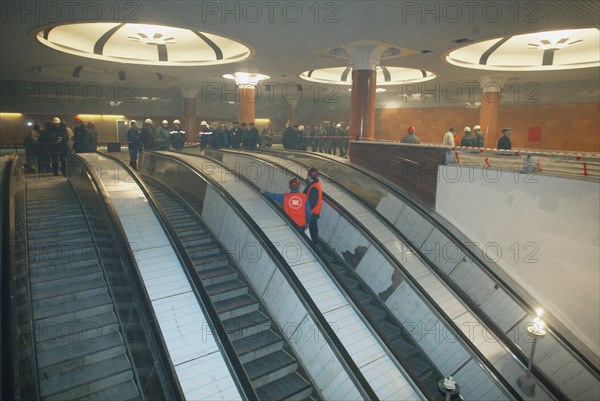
(385, 75)
(539, 51)
(144, 44)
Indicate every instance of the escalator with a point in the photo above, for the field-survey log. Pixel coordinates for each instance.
(560, 365)
(453, 354)
(80, 350)
(359, 349)
(267, 358)
(80, 328)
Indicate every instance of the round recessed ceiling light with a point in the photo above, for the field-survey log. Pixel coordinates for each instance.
(143, 44)
(538, 51)
(246, 78)
(385, 75)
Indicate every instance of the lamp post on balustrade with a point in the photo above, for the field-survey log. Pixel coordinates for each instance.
(536, 330)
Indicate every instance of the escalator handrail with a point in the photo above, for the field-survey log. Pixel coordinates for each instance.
(427, 214)
(198, 288)
(480, 359)
(10, 269)
(352, 369)
(99, 187)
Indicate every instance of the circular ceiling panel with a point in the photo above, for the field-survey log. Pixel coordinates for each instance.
(105, 75)
(540, 51)
(144, 44)
(385, 75)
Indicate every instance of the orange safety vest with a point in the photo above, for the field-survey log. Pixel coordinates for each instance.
(294, 205)
(316, 209)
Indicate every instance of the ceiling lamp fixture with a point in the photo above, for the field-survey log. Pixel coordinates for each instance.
(539, 51)
(385, 75)
(246, 78)
(148, 44)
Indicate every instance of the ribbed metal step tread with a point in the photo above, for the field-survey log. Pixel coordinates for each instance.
(375, 312)
(76, 307)
(46, 274)
(59, 256)
(85, 374)
(62, 368)
(236, 306)
(291, 387)
(270, 368)
(246, 325)
(78, 350)
(199, 239)
(226, 290)
(72, 333)
(90, 391)
(65, 286)
(257, 345)
(218, 275)
(209, 262)
(125, 391)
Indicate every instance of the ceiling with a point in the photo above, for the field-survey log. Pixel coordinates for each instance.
(288, 38)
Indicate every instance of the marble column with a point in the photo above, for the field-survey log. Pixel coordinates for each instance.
(247, 103)
(362, 105)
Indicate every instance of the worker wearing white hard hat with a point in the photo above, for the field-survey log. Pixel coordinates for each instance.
(148, 121)
(177, 122)
(177, 136)
(478, 136)
(163, 135)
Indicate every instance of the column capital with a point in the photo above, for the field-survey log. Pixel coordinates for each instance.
(189, 92)
(492, 83)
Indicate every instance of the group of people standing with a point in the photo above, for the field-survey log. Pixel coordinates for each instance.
(153, 138)
(325, 138)
(46, 148)
(470, 138)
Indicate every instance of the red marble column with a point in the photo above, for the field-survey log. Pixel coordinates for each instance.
(293, 113)
(189, 119)
(488, 117)
(362, 105)
(247, 103)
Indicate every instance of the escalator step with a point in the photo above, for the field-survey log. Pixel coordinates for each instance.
(89, 373)
(67, 285)
(270, 368)
(55, 273)
(194, 240)
(80, 305)
(403, 348)
(419, 366)
(246, 325)
(376, 313)
(204, 250)
(89, 390)
(363, 297)
(48, 338)
(257, 345)
(290, 387)
(210, 262)
(218, 275)
(77, 350)
(236, 306)
(226, 290)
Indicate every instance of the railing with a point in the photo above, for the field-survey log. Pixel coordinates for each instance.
(19, 356)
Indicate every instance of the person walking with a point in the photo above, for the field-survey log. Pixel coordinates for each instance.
(410, 136)
(449, 138)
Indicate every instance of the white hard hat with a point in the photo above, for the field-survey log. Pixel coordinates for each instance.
(176, 122)
(477, 127)
(164, 122)
(132, 122)
(467, 129)
(147, 121)
(338, 126)
(301, 128)
(204, 123)
(56, 120)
